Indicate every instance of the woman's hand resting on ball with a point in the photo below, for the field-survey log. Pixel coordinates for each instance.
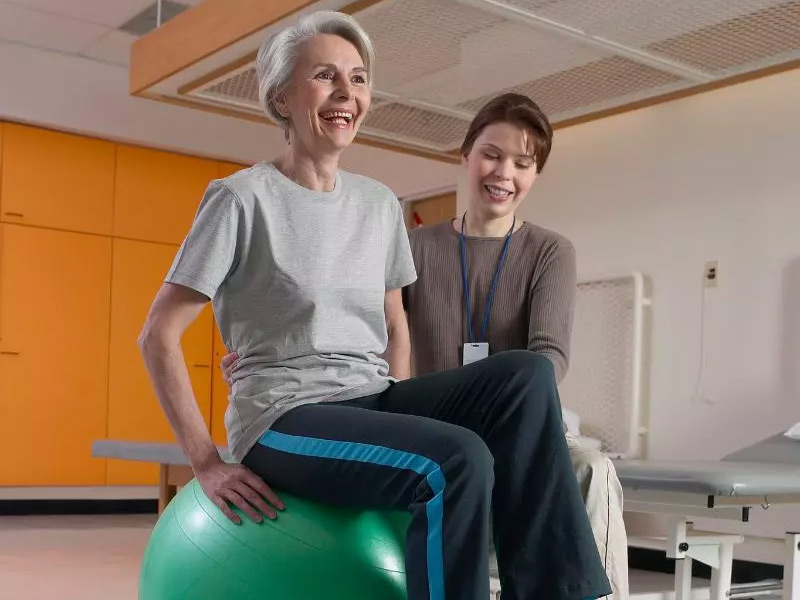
(240, 485)
(223, 483)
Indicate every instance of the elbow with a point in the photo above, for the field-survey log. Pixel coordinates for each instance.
(172, 311)
(152, 338)
(145, 339)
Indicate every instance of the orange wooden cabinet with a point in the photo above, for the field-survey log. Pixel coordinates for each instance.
(56, 180)
(54, 317)
(134, 412)
(219, 393)
(156, 194)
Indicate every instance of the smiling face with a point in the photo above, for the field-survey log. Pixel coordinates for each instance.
(328, 95)
(500, 170)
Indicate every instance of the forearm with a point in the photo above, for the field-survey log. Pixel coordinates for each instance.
(552, 303)
(166, 365)
(398, 353)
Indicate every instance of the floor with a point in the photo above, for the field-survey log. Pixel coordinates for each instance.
(97, 558)
(72, 558)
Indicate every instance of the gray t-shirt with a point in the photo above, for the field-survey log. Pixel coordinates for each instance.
(297, 280)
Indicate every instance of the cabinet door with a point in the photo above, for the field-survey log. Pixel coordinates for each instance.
(157, 193)
(57, 180)
(134, 412)
(54, 315)
(219, 393)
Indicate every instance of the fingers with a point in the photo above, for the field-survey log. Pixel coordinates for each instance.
(228, 360)
(242, 504)
(226, 373)
(255, 500)
(221, 504)
(238, 485)
(256, 483)
(227, 364)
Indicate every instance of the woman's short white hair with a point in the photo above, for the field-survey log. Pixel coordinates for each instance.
(277, 56)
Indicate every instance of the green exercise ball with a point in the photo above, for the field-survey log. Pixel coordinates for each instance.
(310, 552)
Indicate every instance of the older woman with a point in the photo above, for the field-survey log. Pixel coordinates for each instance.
(304, 264)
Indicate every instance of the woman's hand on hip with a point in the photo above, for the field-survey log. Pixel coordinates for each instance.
(227, 365)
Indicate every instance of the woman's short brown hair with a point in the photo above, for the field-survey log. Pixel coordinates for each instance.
(518, 110)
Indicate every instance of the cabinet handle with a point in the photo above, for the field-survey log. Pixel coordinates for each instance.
(202, 366)
(9, 353)
(14, 214)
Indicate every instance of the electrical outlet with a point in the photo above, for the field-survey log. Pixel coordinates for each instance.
(711, 274)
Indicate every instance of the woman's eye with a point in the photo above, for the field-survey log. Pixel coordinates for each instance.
(360, 79)
(325, 75)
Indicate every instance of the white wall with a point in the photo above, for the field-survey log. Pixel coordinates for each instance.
(664, 189)
(86, 96)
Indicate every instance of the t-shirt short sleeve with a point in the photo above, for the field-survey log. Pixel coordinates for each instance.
(209, 251)
(400, 270)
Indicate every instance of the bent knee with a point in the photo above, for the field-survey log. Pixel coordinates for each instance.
(469, 455)
(527, 364)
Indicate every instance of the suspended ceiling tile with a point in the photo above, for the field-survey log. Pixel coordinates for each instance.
(114, 47)
(45, 30)
(636, 22)
(417, 125)
(648, 21)
(418, 38)
(769, 32)
(241, 86)
(588, 85)
(505, 54)
(110, 13)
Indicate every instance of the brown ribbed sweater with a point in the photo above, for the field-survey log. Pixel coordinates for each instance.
(533, 302)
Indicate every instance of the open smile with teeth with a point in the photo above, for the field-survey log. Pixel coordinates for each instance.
(497, 192)
(342, 118)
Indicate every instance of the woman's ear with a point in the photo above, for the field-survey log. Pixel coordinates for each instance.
(279, 101)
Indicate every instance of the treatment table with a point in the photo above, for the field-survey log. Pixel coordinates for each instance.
(761, 475)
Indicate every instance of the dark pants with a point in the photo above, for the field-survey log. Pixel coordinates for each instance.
(448, 447)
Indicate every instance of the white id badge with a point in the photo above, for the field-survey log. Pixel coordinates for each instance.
(475, 352)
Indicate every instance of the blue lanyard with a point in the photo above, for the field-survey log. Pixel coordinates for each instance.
(494, 281)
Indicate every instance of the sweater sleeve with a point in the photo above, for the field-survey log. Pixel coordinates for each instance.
(552, 302)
